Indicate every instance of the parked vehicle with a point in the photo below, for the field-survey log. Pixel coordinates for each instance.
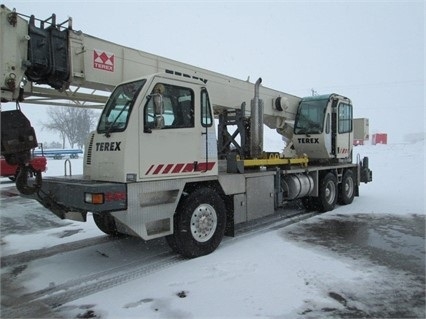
(38, 162)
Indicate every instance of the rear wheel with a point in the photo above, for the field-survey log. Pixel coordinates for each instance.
(347, 188)
(199, 224)
(327, 198)
(106, 223)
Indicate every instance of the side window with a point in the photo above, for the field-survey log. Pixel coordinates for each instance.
(206, 114)
(149, 117)
(345, 118)
(178, 107)
(327, 124)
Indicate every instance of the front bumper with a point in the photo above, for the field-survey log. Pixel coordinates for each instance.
(67, 195)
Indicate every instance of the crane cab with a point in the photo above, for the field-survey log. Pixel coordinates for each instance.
(323, 128)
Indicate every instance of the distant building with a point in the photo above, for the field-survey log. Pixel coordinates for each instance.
(379, 138)
(361, 131)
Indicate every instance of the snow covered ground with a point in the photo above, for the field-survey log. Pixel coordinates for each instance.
(362, 260)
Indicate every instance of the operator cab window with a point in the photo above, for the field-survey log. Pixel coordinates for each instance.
(178, 107)
(310, 117)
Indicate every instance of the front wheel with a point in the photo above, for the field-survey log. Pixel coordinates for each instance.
(106, 223)
(199, 224)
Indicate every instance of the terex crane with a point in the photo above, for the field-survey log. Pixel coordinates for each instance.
(156, 166)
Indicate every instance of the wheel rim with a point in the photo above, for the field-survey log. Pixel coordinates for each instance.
(330, 192)
(349, 187)
(203, 222)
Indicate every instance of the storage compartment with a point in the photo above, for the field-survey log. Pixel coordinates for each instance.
(260, 196)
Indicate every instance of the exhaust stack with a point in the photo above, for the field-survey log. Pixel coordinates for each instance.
(256, 123)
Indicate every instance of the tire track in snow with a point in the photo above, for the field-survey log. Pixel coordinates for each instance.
(55, 296)
(31, 255)
(273, 222)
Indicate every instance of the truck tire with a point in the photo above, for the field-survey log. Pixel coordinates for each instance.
(327, 198)
(106, 223)
(199, 224)
(347, 188)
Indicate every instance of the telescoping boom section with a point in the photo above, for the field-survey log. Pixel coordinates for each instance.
(178, 150)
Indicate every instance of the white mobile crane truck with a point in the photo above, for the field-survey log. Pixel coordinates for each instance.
(156, 166)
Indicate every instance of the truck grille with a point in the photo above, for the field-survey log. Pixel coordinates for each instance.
(89, 150)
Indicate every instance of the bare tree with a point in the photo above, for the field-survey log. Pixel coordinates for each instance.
(72, 123)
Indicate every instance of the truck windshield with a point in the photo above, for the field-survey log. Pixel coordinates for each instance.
(116, 112)
(310, 117)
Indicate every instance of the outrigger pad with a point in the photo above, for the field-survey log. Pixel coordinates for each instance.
(17, 137)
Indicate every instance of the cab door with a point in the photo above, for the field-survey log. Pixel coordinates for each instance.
(169, 141)
(344, 130)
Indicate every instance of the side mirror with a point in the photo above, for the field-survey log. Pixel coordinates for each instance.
(158, 103)
(158, 110)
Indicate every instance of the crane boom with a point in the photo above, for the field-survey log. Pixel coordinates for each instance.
(80, 61)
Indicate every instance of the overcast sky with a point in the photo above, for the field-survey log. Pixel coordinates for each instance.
(370, 51)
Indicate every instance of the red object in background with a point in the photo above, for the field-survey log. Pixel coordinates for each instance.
(379, 138)
(37, 162)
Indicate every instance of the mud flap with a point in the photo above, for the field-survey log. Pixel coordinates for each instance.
(77, 216)
(49, 203)
(366, 173)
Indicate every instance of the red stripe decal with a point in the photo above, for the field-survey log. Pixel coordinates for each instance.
(167, 169)
(205, 166)
(149, 170)
(180, 168)
(177, 168)
(158, 169)
(188, 168)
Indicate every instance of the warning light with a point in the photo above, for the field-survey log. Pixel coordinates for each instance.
(97, 198)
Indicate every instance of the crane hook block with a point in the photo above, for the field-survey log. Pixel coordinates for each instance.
(17, 137)
(17, 140)
(22, 180)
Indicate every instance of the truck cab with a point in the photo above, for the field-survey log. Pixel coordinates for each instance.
(154, 128)
(323, 128)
